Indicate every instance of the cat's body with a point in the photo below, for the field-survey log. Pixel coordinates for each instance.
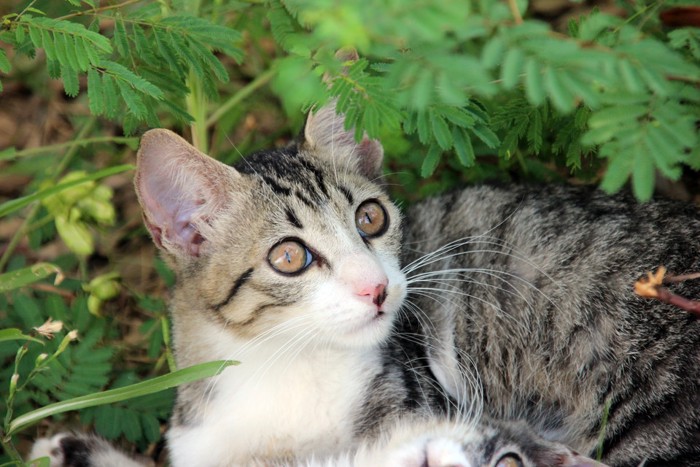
(290, 263)
(547, 314)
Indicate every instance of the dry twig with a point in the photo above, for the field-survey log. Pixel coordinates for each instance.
(652, 287)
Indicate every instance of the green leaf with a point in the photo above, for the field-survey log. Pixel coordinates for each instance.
(643, 177)
(133, 101)
(512, 68)
(71, 53)
(441, 131)
(111, 95)
(630, 77)
(485, 134)
(25, 276)
(35, 35)
(13, 334)
(81, 54)
(581, 89)
(95, 92)
(71, 84)
(48, 44)
(20, 34)
(120, 37)
(458, 116)
(463, 147)
(160, 383)
(614, 116)
(5, 65)
(619, 170)
(431, 161)
(561, 98)
(53, 68)
(493, 51)
(534, 87)
(423, 126)
(422, 90)
(124, 75)
(60, 49)
(62, 27)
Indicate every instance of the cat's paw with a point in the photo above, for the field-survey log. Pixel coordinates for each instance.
(78, 450)
(437, 452)
(452, 444)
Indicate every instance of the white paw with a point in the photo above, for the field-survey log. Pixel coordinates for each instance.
(430, 452)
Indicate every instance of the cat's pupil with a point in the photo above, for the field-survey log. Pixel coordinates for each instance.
(371, 219)
(289, 257)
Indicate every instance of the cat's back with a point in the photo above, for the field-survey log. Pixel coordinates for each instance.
(538, 282)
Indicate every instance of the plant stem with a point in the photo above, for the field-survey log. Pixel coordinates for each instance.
(6, 441)
(242, 93)
(100, 9)
(517, 17)
(79, 142)
(62, 165)
(196, 106)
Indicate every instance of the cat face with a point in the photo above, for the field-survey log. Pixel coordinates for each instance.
(297, 243)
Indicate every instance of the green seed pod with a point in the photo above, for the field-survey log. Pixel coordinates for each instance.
(94, 305)
(76, 236)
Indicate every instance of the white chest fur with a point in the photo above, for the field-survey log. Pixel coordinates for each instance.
(269, 409)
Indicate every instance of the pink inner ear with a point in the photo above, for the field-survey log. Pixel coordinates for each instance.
(180, 189)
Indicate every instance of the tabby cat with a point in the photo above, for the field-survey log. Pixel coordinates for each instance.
(510, 331)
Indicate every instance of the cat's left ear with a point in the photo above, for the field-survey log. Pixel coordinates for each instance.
(326, 137)
(182, 192)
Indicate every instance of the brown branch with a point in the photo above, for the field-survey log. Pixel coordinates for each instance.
(652, 287)
(517, 17)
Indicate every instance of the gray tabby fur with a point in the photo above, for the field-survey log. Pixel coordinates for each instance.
(543, 305)
(512, 323)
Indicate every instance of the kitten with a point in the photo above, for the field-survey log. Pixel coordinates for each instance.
(291, 263)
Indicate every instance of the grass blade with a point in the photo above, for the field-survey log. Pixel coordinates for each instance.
(160, 383)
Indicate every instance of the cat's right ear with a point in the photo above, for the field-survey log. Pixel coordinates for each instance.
(325, 135)
(180, 190)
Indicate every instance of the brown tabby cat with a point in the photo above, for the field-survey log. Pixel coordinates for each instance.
(520, 297)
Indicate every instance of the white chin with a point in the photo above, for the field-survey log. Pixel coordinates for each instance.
(370, 333)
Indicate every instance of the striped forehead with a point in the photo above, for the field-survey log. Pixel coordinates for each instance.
(287, 173)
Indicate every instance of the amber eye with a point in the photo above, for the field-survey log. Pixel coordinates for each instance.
(371, 219)
(509, 460)
(289, 257)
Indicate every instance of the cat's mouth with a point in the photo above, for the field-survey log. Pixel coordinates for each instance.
(374, 323)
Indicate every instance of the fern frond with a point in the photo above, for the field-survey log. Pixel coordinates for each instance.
(142, 44)
(218, 37)
(134, 103)
(650, 134)
(59, 38)
(126, 76)
(686, 39)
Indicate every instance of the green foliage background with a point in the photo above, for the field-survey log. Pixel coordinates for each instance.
(458, 91)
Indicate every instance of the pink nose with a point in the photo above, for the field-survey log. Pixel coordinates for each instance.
(375, 293)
